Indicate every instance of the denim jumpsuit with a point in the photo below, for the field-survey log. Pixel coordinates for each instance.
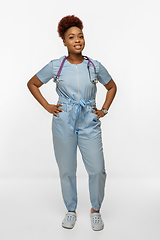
(78, 126)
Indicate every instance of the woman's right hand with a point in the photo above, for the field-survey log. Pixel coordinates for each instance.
(51, 108)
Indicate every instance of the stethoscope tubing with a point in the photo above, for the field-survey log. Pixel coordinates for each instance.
(56, 79)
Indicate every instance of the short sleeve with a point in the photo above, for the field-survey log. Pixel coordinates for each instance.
(46, 73)
(103, 75)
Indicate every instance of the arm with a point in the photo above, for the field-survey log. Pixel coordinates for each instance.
(112, 89)
(34, 84)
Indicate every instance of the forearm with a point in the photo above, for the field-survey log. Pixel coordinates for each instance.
(109, 97)
(37, 94)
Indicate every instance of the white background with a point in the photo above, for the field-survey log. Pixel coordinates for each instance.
(124, 36)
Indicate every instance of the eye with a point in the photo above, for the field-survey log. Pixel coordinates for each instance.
(70, 37)
(81, 36)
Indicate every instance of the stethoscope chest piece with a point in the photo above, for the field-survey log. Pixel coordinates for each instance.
(56, 80)
(94, 81)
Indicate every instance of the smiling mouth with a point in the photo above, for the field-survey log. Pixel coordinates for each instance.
(78, 46)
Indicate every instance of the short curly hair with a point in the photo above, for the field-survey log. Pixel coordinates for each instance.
(67, 22)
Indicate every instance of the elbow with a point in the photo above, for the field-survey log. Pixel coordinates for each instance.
(115, 87)
(28, 84)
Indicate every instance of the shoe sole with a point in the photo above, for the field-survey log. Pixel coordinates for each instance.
(94, 229)
(69, 227)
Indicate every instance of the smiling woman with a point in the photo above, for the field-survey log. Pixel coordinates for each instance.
(70, 30)
(75, 119)
(75, 43)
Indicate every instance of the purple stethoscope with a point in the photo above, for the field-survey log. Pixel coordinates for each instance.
(56, 79)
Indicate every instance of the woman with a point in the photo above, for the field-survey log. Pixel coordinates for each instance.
(76, 118)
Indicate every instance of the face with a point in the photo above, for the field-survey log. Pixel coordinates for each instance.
(74, 40)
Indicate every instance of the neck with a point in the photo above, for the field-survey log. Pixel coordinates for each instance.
(75, 58)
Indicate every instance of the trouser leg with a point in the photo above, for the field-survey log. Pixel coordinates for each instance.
(66, 157)
(92, 155)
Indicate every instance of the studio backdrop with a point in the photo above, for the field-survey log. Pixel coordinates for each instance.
(126, 43)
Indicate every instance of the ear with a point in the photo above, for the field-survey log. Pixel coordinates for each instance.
(64, 42)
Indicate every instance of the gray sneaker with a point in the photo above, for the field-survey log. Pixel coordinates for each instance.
(96, 221)
(69, 220)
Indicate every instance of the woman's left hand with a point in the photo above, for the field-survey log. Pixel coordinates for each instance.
(99, 113)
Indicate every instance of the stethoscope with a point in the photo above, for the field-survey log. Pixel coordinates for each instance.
(56, 79)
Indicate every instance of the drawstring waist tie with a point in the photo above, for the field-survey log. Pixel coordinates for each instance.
(77, 107)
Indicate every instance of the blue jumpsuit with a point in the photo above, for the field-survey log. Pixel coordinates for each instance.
(78, 126)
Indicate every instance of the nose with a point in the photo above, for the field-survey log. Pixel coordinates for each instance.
(77, 40)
